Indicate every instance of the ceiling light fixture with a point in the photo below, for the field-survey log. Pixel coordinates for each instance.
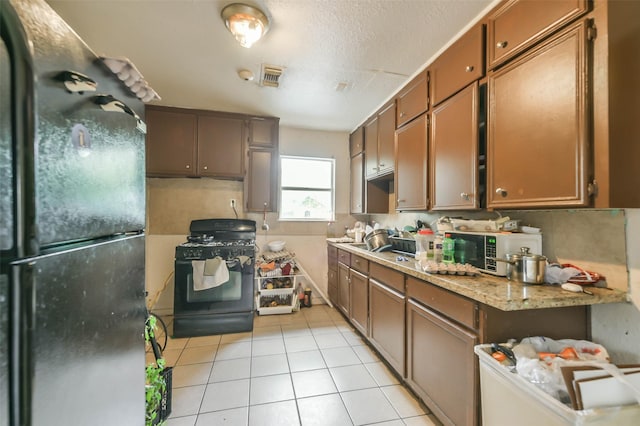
(247, 23)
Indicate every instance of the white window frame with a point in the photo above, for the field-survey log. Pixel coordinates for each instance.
(330, 160)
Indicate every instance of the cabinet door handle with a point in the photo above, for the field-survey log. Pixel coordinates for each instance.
(501, 44)
(381, 165)
(469, 68)
(464, 196)
(502, 191)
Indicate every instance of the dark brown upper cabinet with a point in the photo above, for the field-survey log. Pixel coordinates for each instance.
(453, 152)
(461, 64)
(516, 25)
(538, 137)
(379, 133)
(171, 142)
(220, 146)
(411, 177)
(263, 131)
(413, 99)
(357, 184)
(356, 141)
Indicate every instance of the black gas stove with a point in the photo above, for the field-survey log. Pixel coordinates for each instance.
(226, 238)
(224, 308)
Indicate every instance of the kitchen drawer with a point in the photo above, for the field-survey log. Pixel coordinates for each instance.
(344, 257)
(360, 264)
(457, 308)
(519, 24)
(461, 64)
(387, 276)
(332, 252)
(413, 99)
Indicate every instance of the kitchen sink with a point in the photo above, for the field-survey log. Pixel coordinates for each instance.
(362, 246)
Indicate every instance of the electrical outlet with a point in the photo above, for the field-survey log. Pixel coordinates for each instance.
(233, 202)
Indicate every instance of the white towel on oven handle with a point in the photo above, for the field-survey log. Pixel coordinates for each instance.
(209, 273)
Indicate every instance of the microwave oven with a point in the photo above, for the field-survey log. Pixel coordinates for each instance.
(481, 249)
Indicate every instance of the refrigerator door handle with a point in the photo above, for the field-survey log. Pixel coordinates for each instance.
(28, 297)
(23, 299)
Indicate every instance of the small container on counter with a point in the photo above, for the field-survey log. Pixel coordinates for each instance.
(424, 244)
(437, 249)
(307, 297)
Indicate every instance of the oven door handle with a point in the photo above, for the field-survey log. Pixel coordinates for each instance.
(232, 263)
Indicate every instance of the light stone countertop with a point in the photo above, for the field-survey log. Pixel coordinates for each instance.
(497, 292)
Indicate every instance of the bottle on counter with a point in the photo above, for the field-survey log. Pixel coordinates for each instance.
(424, 244)
(300, 294)
(448, 249)
(437, 248)
(307, 297)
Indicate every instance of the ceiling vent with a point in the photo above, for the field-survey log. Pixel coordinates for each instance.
(271, 75)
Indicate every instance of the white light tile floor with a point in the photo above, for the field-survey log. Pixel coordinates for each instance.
(307, 368)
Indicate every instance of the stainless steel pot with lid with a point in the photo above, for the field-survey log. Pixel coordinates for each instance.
(525, 267)
(378, 240)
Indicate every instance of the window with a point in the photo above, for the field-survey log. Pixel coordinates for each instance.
(307, 188)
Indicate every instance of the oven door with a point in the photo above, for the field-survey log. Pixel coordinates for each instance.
(234, 295)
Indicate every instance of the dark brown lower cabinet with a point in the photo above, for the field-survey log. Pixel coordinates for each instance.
(359, 296)
(441, 365)
(386, 324)
(332, 285)
(332, 274)
(427, 333)
(343, 288)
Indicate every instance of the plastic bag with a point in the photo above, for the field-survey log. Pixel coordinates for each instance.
(557, 274)
(584, 349)
(546, 373)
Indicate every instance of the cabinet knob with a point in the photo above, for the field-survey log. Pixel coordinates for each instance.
(402, 114)
(205, 167)
(502, 192)
(469, 68)
(464, 196)
(501, 44)
(188, 166)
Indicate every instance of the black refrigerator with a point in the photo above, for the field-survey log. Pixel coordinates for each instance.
(72, 218)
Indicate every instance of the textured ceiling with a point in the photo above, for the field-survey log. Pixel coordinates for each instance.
(187, 55)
